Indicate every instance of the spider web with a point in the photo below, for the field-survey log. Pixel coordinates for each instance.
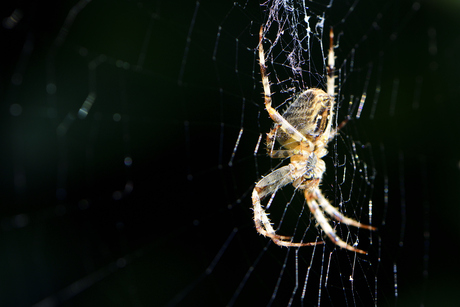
(133, 134)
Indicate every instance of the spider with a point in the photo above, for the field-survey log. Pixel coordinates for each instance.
(303, 130)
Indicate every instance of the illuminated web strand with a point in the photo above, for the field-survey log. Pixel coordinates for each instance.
(240, 134)
(304, 290)
(364, 95)
(187, 44)
(395, 280)
(235, 148)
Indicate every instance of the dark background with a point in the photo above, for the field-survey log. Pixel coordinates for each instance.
(80, 227)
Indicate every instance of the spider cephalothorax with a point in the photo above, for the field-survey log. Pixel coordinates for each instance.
(303, 131)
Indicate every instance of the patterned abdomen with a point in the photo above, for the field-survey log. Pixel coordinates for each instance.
(309, 113)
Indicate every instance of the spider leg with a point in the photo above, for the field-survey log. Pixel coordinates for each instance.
(268, 186)
(331, 65)
(275, 116)
(279, 153)
(312, 197)
(334, 213)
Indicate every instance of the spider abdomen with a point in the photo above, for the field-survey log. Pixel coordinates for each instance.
(309, 113)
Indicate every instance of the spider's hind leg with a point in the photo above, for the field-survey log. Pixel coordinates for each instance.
(335, 214)
(315, 196)
(269, 185)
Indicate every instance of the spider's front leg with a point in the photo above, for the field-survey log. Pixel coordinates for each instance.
(278, 153)
(274, 115)
(269, 185)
